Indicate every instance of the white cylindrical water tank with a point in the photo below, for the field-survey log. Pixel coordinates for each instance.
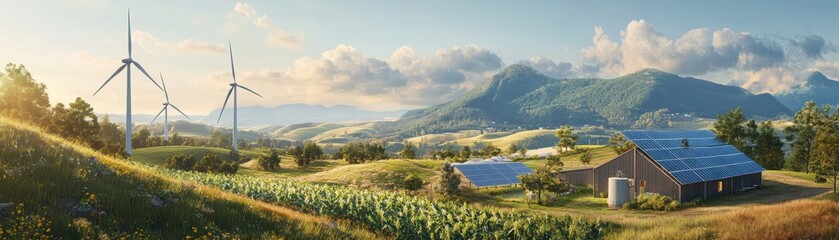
(618, 191)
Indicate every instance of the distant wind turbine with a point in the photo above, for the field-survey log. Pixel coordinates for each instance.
(126, 63)
(165, 111)
(232, 90)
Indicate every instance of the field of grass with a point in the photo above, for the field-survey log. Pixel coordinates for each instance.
(502, 139)
(353, 132)
(440, 138)
(304, 131)
(57, 191)
(384, 174)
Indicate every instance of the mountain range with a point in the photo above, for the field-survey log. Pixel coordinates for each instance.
(521, 96)
(816, 87)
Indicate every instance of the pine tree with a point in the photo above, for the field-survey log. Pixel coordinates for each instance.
(802, 134)
(826, 163)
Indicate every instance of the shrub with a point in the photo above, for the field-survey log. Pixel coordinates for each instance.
(658, 202)
(270, 160)
(184, 162)
(209, 163)
(412, 182)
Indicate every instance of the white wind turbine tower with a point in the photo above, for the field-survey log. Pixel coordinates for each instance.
(126, 63)
(233, 87)
(165, 111)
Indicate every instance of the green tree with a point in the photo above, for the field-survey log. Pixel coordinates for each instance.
(567, 138)
(449, 182)
(270, 159)
(311, 152)
(183, 162)
(112, 137)
(465, 152)
(510, 150)
(297, 153)
(77, 122)
(730, 128)
(523, 152)
(139, 137)
(585, 156)
(176, 138)
(409, 151)
(544, 179)
(768, 150)
(21, 97)
(620, 144)
(209, 163)
(802, 134)
(826, 163)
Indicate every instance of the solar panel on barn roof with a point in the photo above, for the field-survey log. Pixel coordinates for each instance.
(705, 158)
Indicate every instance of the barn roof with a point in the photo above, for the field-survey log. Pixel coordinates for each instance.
(693, 156)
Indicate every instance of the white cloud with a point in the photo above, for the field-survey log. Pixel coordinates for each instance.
(343, 75)
(152, 43)
(696, 52)
(244, 14)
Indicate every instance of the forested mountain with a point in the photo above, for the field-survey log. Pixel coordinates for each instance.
(521, 96)
(817, 88)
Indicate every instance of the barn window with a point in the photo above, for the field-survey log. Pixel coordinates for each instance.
(719, 186)
(643, 184)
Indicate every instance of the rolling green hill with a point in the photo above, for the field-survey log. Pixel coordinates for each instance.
(58, 192)
(520, 96)
(303, 131)
(817, 88)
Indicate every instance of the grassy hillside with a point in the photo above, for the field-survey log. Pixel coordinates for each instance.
(349, 132)
(503, 139)
(303, 131)
(385, 174)
(57, 191)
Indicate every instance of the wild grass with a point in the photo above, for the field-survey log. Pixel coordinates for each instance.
(53, 183)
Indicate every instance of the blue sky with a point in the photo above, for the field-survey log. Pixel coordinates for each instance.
(385, 55)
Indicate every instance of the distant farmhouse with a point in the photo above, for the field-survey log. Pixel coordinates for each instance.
(684, 165)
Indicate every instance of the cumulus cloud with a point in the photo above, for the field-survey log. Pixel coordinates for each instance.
(244, 14)
(343, 75)
(550, 68)
(152, 43)
(695, 52)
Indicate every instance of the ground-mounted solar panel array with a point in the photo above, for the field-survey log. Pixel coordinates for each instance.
(493, 174)
(703, 158)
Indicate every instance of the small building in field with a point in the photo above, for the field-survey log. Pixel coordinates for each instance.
(684, 165)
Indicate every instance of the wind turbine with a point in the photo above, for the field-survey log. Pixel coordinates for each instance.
(232, 90)
(126, 63)
(165, 111)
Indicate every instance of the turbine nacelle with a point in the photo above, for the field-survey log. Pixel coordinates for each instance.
(165, 104)
(233, 84)
(128, 60)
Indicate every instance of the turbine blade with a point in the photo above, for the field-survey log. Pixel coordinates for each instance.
(179, 110)
(147, 74)
(109, 79)
(249, 90)
(165, 93)
(225, 104)
(232, 68)
(129, 33)
(158, 114)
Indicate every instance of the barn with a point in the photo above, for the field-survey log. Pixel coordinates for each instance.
(684, 165)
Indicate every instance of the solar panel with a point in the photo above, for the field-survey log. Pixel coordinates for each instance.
(493, 174)
(705, 158)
